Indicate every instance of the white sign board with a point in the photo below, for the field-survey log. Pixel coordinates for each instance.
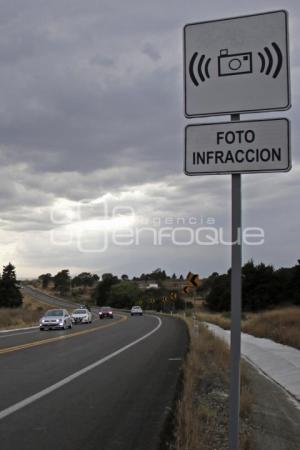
(237, 65)
(237, 147)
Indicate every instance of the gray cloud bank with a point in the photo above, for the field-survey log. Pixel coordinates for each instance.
(91, 105)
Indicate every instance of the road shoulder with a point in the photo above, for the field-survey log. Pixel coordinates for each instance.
(275, 417)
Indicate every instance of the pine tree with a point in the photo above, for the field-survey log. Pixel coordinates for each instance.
(10, 295)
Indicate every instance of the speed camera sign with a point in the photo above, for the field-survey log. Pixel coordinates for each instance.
(237, 65)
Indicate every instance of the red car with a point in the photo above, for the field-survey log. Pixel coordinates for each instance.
(106, 311)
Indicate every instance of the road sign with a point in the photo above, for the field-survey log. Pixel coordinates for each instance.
(237, 65)
(186, 290)
(193, 279)
(237, 147)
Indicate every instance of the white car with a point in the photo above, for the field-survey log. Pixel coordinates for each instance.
(55, 319)
(136, 311)
(81, 315)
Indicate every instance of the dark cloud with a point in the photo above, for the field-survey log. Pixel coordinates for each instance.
(91, 105)
(151, 51)
(105, 61)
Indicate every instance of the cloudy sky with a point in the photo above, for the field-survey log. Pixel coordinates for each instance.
(91, 142)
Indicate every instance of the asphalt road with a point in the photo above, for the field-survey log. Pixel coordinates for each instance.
(108, 385)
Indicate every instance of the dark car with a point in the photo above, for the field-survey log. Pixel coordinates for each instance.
(106, 311)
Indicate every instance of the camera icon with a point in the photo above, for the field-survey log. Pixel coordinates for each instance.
(234, 64)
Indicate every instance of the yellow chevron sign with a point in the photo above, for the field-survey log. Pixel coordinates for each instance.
(193, 279)
(173, 295)
(186, 290)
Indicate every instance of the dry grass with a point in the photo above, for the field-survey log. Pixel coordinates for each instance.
(280, 325)
(246, 399)
(220, 319)
(77, 294)
(202, 416)
(28, 314)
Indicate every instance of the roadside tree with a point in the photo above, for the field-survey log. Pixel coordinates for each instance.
(10, 295)
(45, 279)
(62, 281)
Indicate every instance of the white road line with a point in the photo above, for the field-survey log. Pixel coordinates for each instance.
(27, 401)
(19, 334)
(17, 329)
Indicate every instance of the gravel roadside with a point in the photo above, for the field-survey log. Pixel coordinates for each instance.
(275, 417)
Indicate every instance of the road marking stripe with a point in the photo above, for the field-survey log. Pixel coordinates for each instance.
(19, 334)
(17, 329)
(59, 338)
(27, 401)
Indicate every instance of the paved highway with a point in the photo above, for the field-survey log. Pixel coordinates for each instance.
(108, 385)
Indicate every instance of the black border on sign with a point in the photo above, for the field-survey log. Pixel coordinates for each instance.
(229, 172)
(239, 111)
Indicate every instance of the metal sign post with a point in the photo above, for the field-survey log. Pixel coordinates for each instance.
(236, 306)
